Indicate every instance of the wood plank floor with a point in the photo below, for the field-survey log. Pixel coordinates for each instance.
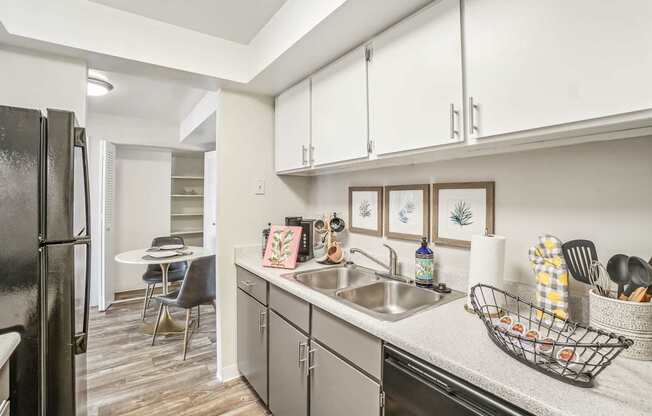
(127, 376)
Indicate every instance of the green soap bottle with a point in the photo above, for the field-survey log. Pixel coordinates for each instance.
(424, 265)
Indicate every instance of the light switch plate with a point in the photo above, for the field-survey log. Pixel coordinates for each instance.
(260, 187)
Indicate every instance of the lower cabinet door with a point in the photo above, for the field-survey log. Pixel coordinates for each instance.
(252, 342)
(288, 380)
(338, 389)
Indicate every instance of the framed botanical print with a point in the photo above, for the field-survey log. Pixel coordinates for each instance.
(366, 210)
(461, 210)
(407, 211)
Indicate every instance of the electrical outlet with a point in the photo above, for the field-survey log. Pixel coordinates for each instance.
(260, 187)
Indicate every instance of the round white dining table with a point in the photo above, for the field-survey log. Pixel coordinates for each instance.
(167, 325)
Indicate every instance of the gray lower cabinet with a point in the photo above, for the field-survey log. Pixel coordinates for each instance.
(252, 342)
(337, 388)
(288, 380)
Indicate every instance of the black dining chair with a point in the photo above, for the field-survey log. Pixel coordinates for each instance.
(153, 275)
(198, 288)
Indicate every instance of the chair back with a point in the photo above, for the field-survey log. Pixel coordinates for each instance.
(162, 241)
(198, 286)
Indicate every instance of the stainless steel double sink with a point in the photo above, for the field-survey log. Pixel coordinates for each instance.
(368, 291)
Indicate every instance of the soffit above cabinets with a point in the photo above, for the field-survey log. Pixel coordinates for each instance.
(291, 38)
(238, 21)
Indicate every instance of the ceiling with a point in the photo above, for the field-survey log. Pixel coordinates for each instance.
(238, 21)
(145, 97)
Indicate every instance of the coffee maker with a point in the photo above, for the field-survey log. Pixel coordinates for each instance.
(306, 244)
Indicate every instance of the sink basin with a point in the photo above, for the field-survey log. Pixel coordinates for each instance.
(333, 279)
(393, 300)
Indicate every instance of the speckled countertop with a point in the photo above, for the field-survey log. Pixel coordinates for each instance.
(8, 343)
(456, 341)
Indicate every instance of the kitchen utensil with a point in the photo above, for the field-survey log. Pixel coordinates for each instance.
(337, 224)
(579, 255)
(599, 278)
(618, 271)
(640, 272)
(638, 295)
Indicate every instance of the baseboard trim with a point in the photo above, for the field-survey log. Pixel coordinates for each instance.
(229, 373)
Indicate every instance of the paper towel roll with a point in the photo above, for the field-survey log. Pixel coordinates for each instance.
(487, 263)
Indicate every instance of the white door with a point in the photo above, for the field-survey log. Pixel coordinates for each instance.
(415, 81)
(292, 127)
(107, 198)
(339, 110)
(210, 200)
(532, 63)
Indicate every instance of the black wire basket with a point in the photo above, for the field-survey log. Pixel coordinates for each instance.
(563, 349)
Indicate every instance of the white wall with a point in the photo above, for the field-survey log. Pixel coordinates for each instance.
(142, 207)
(245, 153)
(135, 131)
(33, 80)
(598, 191)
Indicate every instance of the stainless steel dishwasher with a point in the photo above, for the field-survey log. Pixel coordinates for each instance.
(414, 388)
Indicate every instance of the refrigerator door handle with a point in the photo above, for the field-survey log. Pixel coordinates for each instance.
(80, 141)
(81, 339)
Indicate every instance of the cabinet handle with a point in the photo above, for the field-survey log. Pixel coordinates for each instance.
(247, 284)
(311, 362)
(453, 114)
(312, 154)
(304, 151)
(262, 321)
(302, 351)
(472, 109)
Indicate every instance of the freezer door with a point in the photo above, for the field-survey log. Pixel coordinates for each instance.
(65, 185)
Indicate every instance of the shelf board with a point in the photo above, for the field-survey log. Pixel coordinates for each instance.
(188, 232)
(199, 214)
(197, 178)
(187, 196)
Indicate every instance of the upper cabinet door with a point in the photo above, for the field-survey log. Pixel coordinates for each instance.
(292, 128)
(415, 81)
(339, 110)
(532, 63)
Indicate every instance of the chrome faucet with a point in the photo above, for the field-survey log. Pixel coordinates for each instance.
(392, 267)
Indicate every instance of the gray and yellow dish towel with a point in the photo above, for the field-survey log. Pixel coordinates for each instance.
(551, 274)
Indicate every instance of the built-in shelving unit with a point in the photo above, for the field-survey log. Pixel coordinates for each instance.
(187, 194)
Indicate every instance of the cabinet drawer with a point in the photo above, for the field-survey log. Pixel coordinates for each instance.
(252, 284)
(290, 307)
(4, 382)
(362, 349)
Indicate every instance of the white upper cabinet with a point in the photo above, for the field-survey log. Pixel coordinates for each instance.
(415, 81)
(292, 128)
(339, 110)
(533, 63)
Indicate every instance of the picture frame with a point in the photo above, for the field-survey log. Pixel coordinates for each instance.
(282, 247)
(460, 210)
(407, 212)
(366, 210)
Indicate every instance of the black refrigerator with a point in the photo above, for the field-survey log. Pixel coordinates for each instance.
(45, 258)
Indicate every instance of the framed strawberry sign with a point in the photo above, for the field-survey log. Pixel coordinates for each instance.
(282, 247)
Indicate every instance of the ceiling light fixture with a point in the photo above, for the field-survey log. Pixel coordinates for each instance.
(98, 87)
